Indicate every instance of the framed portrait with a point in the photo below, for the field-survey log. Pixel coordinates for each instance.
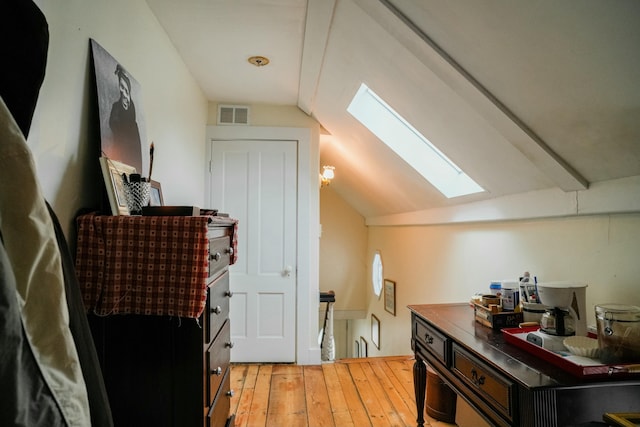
(364, 347)
(390, 296)
(375, 331)
(112, 172)
(156, 198)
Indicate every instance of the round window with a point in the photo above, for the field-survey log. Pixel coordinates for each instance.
(376, 275)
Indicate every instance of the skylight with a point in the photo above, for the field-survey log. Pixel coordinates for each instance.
(377, 116)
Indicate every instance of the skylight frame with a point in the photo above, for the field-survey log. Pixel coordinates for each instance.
(408, 143)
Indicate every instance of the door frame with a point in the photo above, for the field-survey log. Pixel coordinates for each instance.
(308, 222)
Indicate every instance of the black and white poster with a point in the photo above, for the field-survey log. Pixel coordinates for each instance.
(122, 125)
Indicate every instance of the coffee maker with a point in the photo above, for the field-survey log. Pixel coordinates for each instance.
(565, 315)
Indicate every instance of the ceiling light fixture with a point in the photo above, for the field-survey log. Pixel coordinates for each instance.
(328, 172)
(258, 61)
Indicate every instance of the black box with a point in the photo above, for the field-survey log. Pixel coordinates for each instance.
(170, 211)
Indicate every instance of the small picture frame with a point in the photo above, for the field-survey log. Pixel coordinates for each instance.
(156, 198)
(375, 331)
(390, 296)
(364, 347)
(622, 419)
(112, 172)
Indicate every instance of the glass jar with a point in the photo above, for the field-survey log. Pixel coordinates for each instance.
(495, 288)
(618, 333)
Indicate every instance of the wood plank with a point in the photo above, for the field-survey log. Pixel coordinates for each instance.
(371, 359)
(403, 404)
(260, 402)
(287, 404)
(404, 373)
(241, 402)
(394, 420)
(356, 406)
(287, 369)
(317, 398)
(377, 415)
(337, 400)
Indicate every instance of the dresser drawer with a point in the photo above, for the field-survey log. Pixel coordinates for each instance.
(217, 309)
(217, 359)
(431, 339)
(218, 415)
(219, 254)
(494, 388)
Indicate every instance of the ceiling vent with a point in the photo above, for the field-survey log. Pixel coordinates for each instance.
(233, 115)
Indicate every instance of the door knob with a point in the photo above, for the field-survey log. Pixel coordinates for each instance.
(287, 271)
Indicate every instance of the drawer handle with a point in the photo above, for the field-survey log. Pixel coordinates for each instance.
(229, 344)
(228, 294)
(428, 338)
(217, 371)
(230, 393)
(229, 251)
(215, 257)
(474, 378)
(216, 310)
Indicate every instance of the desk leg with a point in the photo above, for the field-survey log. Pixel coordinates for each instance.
(420, 385)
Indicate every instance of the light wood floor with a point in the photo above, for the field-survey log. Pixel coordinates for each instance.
(349, 392)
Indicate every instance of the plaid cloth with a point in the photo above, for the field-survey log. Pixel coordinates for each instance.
(153, 265)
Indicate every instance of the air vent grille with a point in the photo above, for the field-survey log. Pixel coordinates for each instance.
(233, 115)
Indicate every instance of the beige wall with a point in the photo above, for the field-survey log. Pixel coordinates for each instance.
(343, 253)
(271, 115)
(448, 263)
(65, 126)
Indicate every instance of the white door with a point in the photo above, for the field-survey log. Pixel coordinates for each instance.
(255, 182)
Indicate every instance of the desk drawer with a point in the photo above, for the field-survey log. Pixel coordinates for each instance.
(217, 309)
(493, 387)
(217, 358)
(219, 254)
(431, 339)
(218, 415)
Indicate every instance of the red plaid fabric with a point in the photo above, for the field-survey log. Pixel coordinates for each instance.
(153, 265)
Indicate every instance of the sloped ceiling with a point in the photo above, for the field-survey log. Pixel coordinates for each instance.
(523, 95)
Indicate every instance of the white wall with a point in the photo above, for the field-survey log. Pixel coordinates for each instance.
(65, 125)
(448, 263)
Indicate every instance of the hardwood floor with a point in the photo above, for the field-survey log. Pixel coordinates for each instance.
(347, 393)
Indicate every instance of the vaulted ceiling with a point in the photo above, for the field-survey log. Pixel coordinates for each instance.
(522, 95)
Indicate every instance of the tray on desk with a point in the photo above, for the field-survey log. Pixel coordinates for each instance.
(583, 367)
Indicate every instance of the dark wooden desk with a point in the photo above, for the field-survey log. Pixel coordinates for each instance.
(505, 384)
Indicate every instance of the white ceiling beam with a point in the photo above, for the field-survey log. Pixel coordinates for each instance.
(477, 96)
(316, 36)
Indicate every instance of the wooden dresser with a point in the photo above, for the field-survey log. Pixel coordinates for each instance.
(217, 332)
(157, 292)
(505, 384)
